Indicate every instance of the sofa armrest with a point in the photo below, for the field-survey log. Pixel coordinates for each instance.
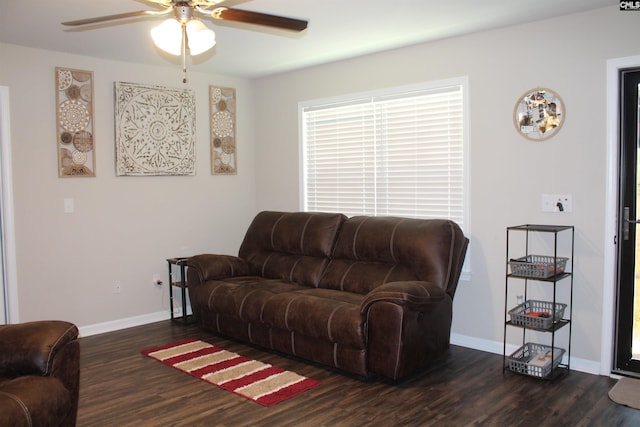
(415, 295)
(409, 325)
(211, 266)
(31, 348)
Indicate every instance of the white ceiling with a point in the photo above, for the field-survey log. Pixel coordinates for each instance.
(338, 29)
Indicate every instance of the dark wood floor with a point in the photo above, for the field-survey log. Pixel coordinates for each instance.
(120, 387)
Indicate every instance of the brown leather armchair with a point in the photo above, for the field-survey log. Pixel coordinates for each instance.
(39, 374)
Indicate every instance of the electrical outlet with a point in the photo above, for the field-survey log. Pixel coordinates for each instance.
(117, 287)
(156, 280)
(557, 203)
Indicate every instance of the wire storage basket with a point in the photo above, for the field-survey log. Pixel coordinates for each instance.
(538, 266)
(537, 314)
(535, 360)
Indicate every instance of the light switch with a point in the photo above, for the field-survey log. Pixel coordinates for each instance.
(557, 203)
(68, 206)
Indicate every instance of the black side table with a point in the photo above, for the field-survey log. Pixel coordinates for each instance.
(181, 283)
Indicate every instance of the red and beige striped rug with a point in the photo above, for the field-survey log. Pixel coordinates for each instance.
(256, 381)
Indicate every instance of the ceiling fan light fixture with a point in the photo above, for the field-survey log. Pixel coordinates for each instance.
(200, 38)
(175, 36)
(168, 36)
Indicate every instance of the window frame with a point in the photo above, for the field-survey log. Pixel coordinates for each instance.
(463, 82)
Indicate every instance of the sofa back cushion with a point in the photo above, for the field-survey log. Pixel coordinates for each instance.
(372, 251)
(291, 246)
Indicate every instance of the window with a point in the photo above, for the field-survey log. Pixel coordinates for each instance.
(398, 152)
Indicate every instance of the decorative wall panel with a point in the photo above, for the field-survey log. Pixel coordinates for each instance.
(222, 102)
(155, 130)
(75, 121)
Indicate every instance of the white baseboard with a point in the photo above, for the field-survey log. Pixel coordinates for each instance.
(130, 322)
(115, 325)
(496, 347)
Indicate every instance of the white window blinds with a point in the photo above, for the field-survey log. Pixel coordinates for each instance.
(400, 154)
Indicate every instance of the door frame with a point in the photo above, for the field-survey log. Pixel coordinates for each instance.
(9, 270)
(611, 210)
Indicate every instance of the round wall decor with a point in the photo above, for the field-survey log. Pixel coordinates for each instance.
(539, 114)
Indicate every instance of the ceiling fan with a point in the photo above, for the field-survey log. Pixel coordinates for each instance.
(174, 35)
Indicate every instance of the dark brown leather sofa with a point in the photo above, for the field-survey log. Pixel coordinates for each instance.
(362, 294)
(39, 374)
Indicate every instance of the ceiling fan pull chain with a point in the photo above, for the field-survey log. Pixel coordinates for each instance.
(184, 53)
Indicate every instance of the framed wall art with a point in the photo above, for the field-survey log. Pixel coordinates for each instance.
(75, 122)
(222, 105)
(539, 114)
(155, 130)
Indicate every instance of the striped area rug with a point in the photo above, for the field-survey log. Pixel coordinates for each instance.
(256, 381)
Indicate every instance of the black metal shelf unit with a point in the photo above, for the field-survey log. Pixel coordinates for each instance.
(554, 270)
(179, 282)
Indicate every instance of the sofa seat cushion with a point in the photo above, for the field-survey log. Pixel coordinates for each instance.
(326, 314)
(241, 297)
(362, 276)
(33, 401)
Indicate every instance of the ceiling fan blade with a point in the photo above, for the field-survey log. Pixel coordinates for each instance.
(238, 15)
(165, 3)
(207, 3)
(115, 17)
